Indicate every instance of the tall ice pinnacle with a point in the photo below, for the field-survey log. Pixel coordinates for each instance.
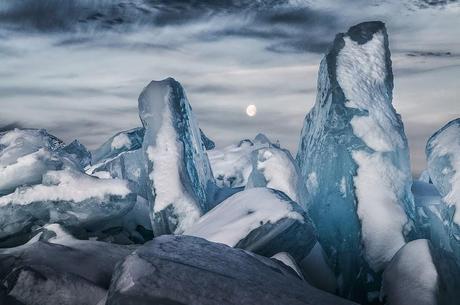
(354, 158)
(180, 176)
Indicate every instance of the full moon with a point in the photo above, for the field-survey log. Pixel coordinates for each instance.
(251, 110)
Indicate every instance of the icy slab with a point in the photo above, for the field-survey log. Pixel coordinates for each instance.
(42, 285)
(54, 248)
(411, 277)
(181, 184)
(276, 169)
(260, 220)
(354, 158)
(120, 142)
(190, 270)
(25, 155)
(66, 196)
(443, 157)
(232, 165)
(78, 153)
(128, 165)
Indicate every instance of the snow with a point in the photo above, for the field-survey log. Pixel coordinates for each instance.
(120, 141)
(27, 169)
(379, 185)
(279, 172)
(361, 73)
(312, 182)
(411, 277)
(232, 165)
(276, 169)
(238, 215)
(65, 185)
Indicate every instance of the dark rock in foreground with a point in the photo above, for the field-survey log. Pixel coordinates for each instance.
(189, 270)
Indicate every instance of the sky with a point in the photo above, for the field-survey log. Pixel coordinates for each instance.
(76, 68)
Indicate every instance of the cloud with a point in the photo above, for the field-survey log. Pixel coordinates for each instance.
(77, 67)
(10, 126)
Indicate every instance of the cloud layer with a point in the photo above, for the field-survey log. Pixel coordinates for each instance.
(77, 67)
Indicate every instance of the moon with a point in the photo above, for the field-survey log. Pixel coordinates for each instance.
(251, 110)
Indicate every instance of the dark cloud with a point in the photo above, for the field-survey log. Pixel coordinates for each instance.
(429, 54)
(286, 27)
(56, 15)
(433, 3)
(10, 126)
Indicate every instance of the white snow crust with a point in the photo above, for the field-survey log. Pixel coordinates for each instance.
(234, 218)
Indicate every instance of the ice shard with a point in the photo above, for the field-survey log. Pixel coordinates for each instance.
(207, 142)
(189, 270)
(78, 153)
(354, 158)
(120, 142)
(181, 184)
(443, 157)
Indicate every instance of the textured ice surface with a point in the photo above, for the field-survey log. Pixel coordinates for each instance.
(55, 268)
(207, 142)
(411, 277)
(443, 156)
(42, 285)
(190, 270)
(180, 177)
(122, 141)
(128, 165)
(354, 157)
(78, 153)
(275, 168)
(66, 196)
(232, 165)
(260, 220)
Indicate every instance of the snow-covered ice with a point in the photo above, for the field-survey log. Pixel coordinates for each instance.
(180, 177)
(443, 157)
(66, 196)
(275, 168)
(232, 165)
(411, 277)
(354, 158)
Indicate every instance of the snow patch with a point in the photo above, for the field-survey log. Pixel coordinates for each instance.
(120, 141)
(378, 184)
(66, 185)
(361, 73)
